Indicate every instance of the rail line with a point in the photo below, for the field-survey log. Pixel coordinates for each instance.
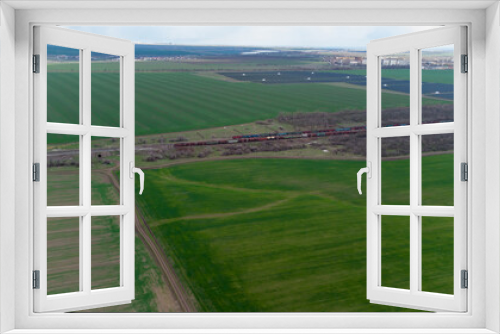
(285, 135)
(276, 136)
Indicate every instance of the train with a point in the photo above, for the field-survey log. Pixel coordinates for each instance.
(276, 136)
(285, 135)
(355, 128)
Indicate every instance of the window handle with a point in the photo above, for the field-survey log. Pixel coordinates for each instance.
(368, 171)
(141, 176)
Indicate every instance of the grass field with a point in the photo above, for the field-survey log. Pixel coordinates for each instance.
(173, 102)
(435, 76)
(300, 249)
(208, 64)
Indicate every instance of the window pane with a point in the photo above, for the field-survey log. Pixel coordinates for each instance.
(105, 89)
(396, 251)
(105, 252)
(437, 84)
(437, 169)
(437, 254)
(63, 85)
(105, 171)
(63, 172)
(63, 255)
(395, 171)
(395, 84)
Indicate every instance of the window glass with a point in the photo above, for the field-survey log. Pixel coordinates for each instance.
(63, 255)
(105, 252)
(437, 254)
(105, 81)
(437, 169)
(395, 251)
(63, 170)
(395, 79)
(395, 175)
(105, 170)
(63, 84)
(437, 84)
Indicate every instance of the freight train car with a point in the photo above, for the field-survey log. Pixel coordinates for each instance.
(277, 136)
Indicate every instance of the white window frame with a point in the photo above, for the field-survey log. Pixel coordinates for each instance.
(85, 297)
(415, 297)
(484, 308)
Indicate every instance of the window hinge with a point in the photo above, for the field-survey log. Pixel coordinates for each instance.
(36, 172)
(36, 63)
(465, 63)
(465, 279)
(36, 279)
(464, 171)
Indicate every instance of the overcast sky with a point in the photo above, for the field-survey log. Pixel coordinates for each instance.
(292, 36)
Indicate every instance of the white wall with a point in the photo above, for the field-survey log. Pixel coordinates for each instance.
(7, 158)
(492, 149)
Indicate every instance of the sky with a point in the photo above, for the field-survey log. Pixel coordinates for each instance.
(277, 36)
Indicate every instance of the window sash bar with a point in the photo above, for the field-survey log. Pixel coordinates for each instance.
(418, 210)
(407, 130)
(80, 211)
(82, 130)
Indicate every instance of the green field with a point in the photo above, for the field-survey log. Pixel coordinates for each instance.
(303, 250)
(435, 76)
(174, 102)
(209, 64)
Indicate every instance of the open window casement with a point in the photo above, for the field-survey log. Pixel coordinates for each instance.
(383, 54)
(77, 218)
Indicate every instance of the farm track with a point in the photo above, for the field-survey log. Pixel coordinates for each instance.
(249, 190)
(228, 214)
(159, 255)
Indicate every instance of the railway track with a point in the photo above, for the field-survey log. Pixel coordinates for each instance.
(275, 136)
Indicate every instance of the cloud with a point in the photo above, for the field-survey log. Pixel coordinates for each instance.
(284, 36)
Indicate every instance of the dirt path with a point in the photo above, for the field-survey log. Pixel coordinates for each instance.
(226, 214)
(295, 193)
(159, 255)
